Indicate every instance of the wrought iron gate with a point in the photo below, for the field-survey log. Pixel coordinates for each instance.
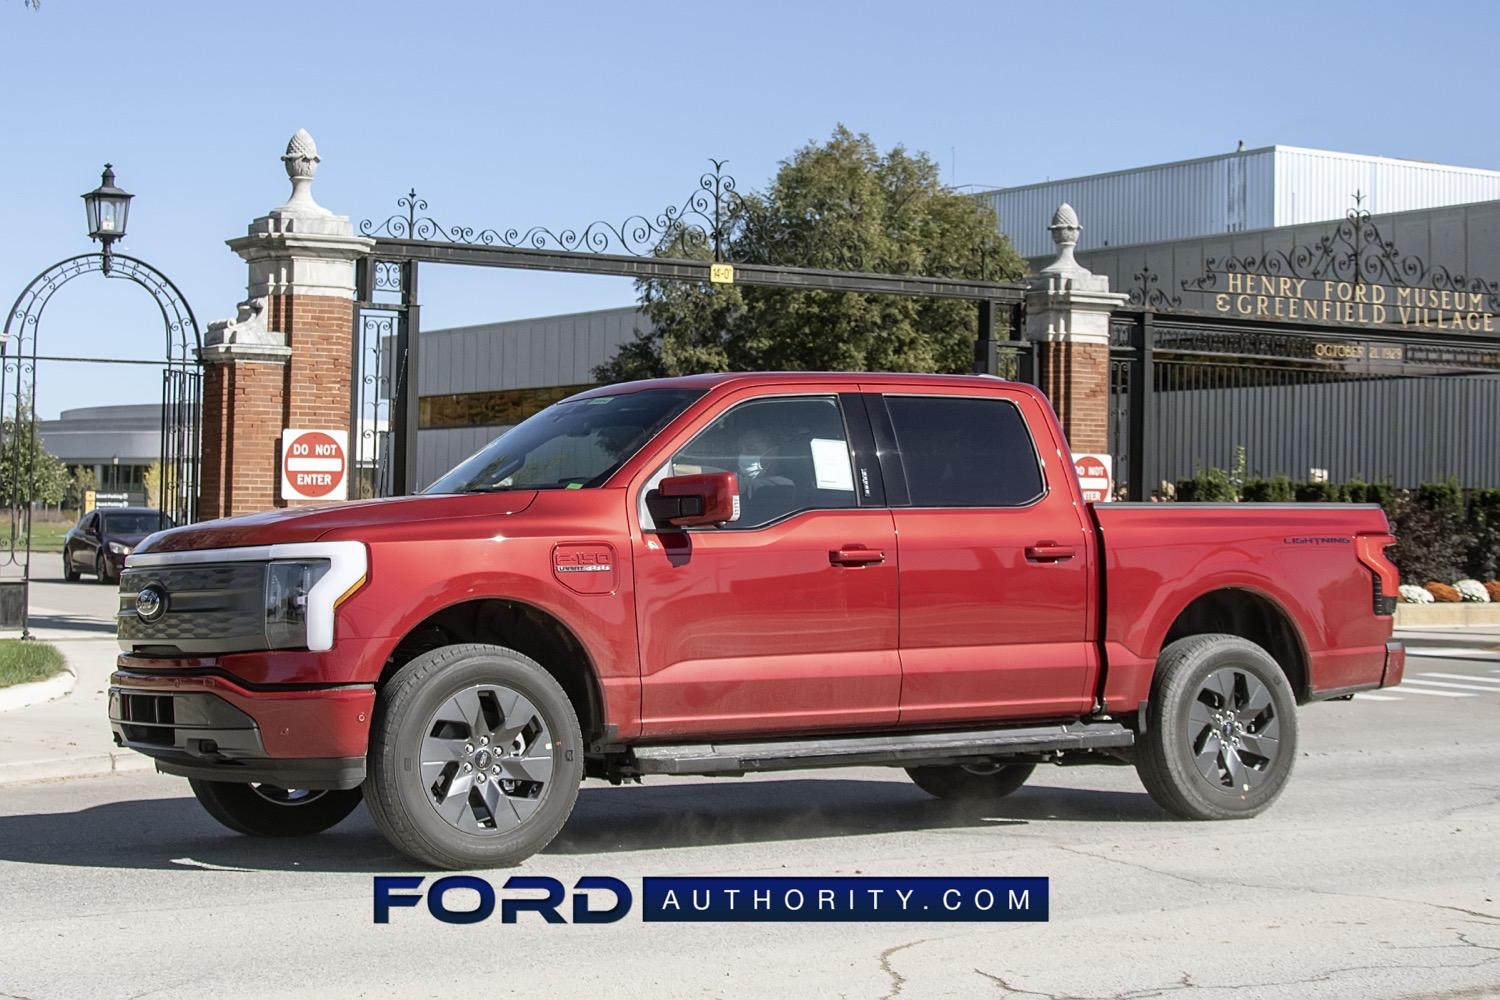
(1190, 392)
(693, 240)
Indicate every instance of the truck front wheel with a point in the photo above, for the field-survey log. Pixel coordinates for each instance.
(971, 782)
(259, 810)
(475, 758)
(1221, 730)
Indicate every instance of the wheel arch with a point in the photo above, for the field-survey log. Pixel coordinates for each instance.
(1249, 614)
(518, 625)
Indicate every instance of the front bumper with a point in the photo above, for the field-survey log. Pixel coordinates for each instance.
(208, 726)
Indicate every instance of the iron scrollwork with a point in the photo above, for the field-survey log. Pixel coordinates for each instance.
(1147, 295)
(707, 221)
(1354, 251)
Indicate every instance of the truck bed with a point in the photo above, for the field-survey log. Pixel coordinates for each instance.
(1295, 560)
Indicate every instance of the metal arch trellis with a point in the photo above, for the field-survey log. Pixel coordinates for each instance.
(181, 397)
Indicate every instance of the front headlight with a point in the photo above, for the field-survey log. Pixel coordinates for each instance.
(288, 586)
(118, 549)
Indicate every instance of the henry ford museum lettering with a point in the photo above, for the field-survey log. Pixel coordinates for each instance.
(1263, 296)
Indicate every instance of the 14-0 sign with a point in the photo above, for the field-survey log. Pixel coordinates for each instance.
(314, 465)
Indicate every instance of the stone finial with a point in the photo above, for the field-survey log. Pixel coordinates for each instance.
(301, 160)
(1064, 229)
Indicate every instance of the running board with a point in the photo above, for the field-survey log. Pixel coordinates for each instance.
(893, 748)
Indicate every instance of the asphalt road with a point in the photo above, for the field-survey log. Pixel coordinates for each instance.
(1376, 875)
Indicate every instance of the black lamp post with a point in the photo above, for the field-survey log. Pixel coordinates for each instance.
(107, 207)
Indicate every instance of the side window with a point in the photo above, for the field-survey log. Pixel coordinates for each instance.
(965, 451)
(791, 453)
(89, 522)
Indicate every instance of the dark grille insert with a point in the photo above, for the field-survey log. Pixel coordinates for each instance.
(148, 718)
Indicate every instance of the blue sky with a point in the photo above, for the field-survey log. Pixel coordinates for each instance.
(518, 114)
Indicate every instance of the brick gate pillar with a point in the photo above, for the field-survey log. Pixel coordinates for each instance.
(1067, 319)
(285, 360)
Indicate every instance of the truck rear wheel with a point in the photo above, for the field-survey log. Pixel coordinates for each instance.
(260, 810)
(1222, 729)
(476, 756)
(971, 782)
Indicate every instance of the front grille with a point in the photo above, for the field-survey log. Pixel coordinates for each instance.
(211, 608)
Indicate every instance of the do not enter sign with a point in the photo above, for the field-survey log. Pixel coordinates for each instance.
(314, 465)
(1095, 477)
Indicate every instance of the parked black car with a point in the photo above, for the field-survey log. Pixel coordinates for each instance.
(101, 540)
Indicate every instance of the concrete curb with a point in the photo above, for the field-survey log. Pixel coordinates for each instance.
(1446, 615)
(86, 766)
(23, 695)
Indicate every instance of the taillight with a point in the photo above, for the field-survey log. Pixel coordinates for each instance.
(1371, 552)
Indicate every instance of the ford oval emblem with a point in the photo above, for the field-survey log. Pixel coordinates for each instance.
(151, 603)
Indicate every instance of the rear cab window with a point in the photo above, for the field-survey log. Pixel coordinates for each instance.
(965, 451)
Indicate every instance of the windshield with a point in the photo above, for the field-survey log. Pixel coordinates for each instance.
(135, 523)
(570, 445)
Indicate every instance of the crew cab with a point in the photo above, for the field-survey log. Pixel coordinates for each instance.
(722, 574)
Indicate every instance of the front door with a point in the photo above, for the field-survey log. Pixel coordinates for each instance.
(995, 567)
(784, 620)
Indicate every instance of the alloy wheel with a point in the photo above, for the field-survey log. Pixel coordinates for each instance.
(486, 759)
(1233, 730)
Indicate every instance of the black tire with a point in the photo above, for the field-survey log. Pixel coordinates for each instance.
(408, 782)
(101, 568)
(70, 572)
(978, 784)
(1202, 759)
(266, 811)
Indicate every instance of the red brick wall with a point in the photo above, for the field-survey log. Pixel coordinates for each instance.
(246, 404)
(319, 330)
(1075, 377)
(243, 405)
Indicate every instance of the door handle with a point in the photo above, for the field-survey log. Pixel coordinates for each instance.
(855, 555)
(1050, 552)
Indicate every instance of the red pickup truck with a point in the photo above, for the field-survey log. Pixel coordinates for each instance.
(721, 574)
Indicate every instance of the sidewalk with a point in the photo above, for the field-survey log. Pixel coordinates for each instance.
(68, 737)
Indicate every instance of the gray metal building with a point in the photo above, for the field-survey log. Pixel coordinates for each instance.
(118, 442)
(478, 380)
(1267, 188)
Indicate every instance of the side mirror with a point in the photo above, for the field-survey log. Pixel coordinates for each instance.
(712, 498)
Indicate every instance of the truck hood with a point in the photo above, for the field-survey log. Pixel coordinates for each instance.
(307, 524)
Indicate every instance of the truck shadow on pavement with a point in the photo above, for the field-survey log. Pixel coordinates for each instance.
(175, 833)
(71, 623)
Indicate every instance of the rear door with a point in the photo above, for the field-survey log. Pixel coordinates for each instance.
(996, 571)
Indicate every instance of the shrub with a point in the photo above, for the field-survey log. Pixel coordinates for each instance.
(1277, 489)
(1472, 591)
(1207, 486)
(1311, 492)
(1482, 561)
(1432, 536)
(1444, 594)
(1492, 587)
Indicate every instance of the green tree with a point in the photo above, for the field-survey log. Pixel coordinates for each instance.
(26, 468)
(80, 481)
(842, 205)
